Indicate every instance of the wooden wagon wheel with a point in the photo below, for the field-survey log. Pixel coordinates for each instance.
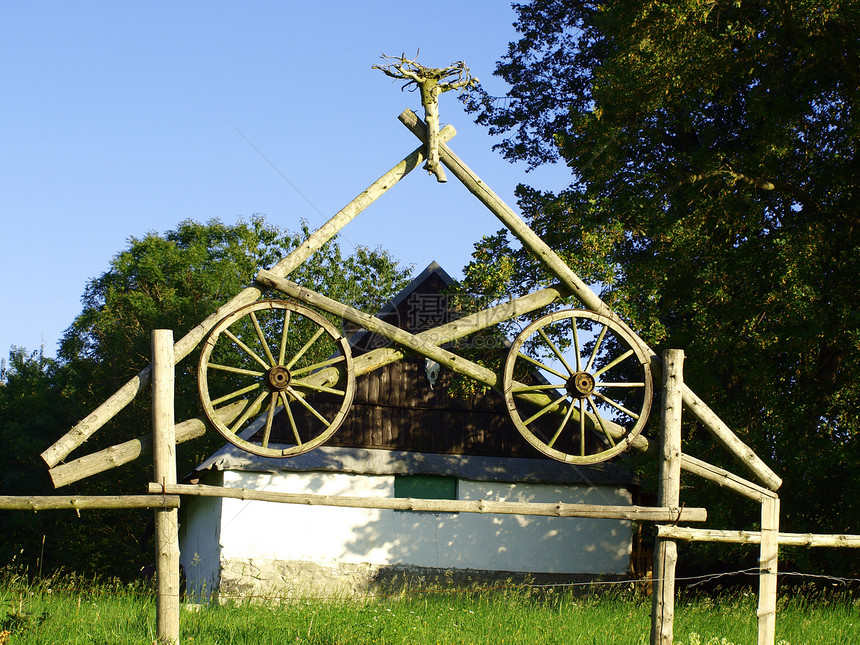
(592, 375)
(288, 360)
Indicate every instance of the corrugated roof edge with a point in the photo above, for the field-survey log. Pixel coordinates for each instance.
(370, 461)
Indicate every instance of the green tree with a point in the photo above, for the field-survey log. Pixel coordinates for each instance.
(714, 203)
(170, 281)
(34, 408)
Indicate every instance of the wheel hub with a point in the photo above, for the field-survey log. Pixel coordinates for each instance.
(580, 385)
(278, 378)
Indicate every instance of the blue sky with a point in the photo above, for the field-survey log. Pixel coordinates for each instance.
(119, 118)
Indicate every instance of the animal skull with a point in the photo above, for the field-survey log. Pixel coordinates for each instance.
(431, 368)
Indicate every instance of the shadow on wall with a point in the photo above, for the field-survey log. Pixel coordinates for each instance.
(509, 543)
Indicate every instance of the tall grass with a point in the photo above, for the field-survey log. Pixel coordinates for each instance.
(68, 609)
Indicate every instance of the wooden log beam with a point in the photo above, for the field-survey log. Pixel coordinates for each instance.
(689, 534)
(724, 478)
(128, 451)
(85, 502)
(372, 323)
(583, 292)
(84, 429)
(446, 333)
(637, 513)
(710, 472)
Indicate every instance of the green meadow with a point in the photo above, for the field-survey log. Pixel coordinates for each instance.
(67, 609)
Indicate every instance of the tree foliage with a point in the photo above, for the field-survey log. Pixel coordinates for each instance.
(170, 281)
(714, 203)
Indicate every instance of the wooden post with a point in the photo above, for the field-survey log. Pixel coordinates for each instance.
(164, 457)
(669, 494)
(767, 571)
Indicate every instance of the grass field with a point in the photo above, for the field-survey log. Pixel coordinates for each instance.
(70, 610)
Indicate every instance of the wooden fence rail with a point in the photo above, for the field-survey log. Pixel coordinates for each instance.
(639, 513)
(85, 502)
(754, 537)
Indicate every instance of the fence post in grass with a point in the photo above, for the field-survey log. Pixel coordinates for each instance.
(767, 571)
(669, 495)
(164, 458)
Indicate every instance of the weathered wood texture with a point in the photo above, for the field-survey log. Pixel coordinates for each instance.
(164, 472)
(638, 513)
(668, 494)
(724, 478)
(85, 502)
(578, 288)
(122, 397)
(128, 451)
(754, 537)
(768, 571)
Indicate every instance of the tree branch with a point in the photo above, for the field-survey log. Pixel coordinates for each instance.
(432, 81)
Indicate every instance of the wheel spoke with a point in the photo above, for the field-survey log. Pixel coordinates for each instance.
(617, 406)
(247, 349)
(602, 384)
(251, 409)
(320, 365)
(310, 408)
(600, 422)
(235, 370)
(307, 346)
(233, 395)
(289, 412)
(562, 424)
(319, 388)
(575, 333)
(597, 345)
(549, 406)
(273, 403)
(555, 351)
(535, 388)
(542, 366)
(262, 339)
(582, 427)
(284, 330)
(606, 368)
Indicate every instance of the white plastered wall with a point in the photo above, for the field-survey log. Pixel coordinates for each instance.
(200, 544)
(288, 532)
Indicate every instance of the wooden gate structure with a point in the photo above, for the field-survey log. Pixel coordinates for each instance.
(308, 385)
